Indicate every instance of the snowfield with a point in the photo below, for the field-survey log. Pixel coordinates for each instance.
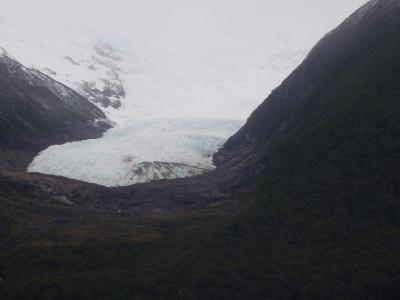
(143, 151)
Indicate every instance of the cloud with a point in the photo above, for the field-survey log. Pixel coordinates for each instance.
(296, 21)
(216, 58)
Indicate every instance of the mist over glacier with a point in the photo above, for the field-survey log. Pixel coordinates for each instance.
(194, 58)
(181, 61)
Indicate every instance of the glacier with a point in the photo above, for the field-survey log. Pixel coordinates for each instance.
(143, 151)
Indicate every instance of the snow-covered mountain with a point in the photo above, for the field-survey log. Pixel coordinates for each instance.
(151, 82)
(188, 63)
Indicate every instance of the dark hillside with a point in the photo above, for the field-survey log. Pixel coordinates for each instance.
(36, 112)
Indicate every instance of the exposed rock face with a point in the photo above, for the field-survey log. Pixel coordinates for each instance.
(109, 95)
(37, 111)
(109, 91)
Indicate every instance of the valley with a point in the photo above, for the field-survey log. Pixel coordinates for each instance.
(300, 201)
(160, 76)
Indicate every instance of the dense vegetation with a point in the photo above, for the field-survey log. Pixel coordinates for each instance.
(322, 221)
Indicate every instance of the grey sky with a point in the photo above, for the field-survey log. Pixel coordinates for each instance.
(297, 21)
(188, 55)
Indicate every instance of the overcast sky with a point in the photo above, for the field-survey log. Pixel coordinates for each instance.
(225, 54)
(297, 21)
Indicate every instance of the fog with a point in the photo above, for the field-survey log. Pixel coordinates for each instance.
(224, 54)
(299, 22)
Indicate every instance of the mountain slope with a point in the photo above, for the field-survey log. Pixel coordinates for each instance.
(326, 208)
(37, 111)
(337, 53)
